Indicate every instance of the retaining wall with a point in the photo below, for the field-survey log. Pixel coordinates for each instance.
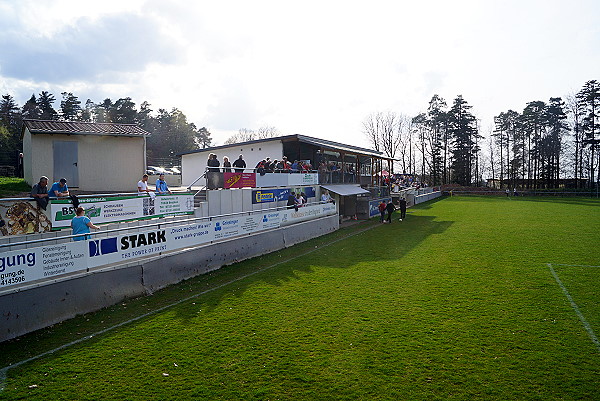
(34, 308)
(416, 199)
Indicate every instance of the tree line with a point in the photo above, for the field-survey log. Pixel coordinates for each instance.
(537, 148)
(171, 131)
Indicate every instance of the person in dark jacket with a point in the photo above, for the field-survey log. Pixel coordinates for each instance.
(226, 165)
(291, 203)
(239, 164)
(402, 208)
(213, 163)
(390, 209)
(39, 192)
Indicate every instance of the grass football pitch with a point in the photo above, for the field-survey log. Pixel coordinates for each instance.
(468, 298)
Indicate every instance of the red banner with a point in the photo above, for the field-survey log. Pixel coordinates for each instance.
(239, 180)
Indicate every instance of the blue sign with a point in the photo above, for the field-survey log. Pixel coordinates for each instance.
(374, 206)
(270, 195)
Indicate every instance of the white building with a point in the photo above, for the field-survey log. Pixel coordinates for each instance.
(90, 156)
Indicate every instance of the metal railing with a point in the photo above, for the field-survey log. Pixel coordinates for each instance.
(143, 226)
(51, 198)
(324, 177)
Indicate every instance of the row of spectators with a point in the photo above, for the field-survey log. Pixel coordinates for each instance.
(398, 181)
(264, 166)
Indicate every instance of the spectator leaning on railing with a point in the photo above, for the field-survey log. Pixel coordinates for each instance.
(59, 189)
(161, 185)
(39, 192)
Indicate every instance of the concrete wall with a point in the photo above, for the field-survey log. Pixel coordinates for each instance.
(415, 200)
(105, 163)
(29, 309)
(236, 200)
(193, 165)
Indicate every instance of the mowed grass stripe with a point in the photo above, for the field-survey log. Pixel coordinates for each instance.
(455, 302)
(576, 308)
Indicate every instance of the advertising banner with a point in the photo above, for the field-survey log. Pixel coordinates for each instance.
(270, 195)
(374, 206)
(304, 213)
(279, 195)
(270, 220)
(303, 179)
(20, 216)
(121, 208)
(239, 180)
(23, 266)
(190, 235)
(103, 251)
(26, 265)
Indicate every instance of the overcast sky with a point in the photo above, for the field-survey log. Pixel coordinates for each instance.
(317, 68)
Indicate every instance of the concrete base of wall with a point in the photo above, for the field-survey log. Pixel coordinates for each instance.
(32, 309)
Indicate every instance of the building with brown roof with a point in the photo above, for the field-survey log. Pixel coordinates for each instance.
(91, 156)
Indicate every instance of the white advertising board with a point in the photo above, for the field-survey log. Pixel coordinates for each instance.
(26, 265)
(121, 208)
(291, 216)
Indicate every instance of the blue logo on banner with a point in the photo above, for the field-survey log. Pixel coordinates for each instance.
(271, 195)
(265, 219)
(103, 246)
(218, 226)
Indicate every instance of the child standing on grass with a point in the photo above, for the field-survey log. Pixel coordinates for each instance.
(382, 207)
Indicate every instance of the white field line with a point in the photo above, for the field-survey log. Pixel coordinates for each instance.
(5, 369)
(585, 323)
(560, 264)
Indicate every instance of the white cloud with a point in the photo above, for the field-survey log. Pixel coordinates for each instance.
(317, 68)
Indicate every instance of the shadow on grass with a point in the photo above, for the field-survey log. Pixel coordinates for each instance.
(361, 243)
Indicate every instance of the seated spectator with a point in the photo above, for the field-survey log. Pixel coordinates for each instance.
(59, 189)
(268, 163)
(287, 166)
(40, 192)
(299, 200)
(281, 165)
(295, 166)
(291, 203)
(325, 197)
(161, 185)
(260, 167)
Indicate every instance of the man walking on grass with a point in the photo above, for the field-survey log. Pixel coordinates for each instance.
(390, 209)
(402, 208)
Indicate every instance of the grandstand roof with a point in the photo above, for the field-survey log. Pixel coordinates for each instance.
(323, 143)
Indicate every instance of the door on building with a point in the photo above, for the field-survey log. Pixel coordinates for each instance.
(65, 162)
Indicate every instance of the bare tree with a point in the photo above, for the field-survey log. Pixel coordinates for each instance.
(383, 131)
(492, 155)
(405, 131)
(372, 131)
(267, 132)
(245, 134)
